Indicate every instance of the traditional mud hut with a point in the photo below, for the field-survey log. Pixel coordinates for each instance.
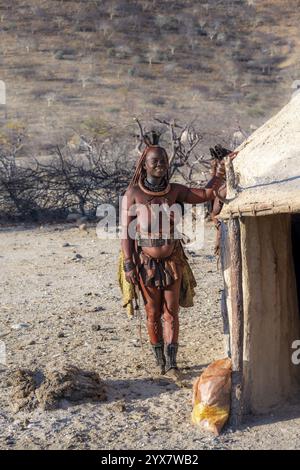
(261, 263)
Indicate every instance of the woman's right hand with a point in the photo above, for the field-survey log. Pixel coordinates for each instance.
(131, 276)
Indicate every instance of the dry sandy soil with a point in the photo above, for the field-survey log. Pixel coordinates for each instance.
(73, 314)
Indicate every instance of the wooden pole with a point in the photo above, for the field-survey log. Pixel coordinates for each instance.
(237, 327)
(225, 257)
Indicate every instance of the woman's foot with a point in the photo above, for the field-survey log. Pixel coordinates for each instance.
(160, 359)
(159, 370)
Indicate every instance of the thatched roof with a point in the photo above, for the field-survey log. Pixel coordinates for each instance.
(268, 167)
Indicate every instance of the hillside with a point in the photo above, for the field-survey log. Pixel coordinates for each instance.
(89, 66)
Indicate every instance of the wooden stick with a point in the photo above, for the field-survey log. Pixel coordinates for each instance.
(237, 327)
(224, 256)
(143, 138)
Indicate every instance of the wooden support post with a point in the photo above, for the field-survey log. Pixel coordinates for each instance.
(225, 308)
(237, 327)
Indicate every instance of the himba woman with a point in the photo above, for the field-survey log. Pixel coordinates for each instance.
(154, 260)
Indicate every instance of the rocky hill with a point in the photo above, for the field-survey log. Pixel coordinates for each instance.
(88, 66)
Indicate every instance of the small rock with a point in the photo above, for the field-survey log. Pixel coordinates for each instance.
(19, 326)
(120, 406)
(31, 426)
(61, 334)
(10, 440)
(96, 327)
(98, 309)
(65, 245)
(82, 227)
(77, 257)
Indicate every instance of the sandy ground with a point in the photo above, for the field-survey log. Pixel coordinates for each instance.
(72, 308)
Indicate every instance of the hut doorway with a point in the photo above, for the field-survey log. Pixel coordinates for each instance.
(296, 251)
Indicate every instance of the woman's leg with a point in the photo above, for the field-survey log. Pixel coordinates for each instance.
(153, 305)
(170, 312)
(171, 322)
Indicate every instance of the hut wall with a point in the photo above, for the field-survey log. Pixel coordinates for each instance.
(271, 317)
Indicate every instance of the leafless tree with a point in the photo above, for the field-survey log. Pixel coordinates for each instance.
(98, 171)
(65, 182)
(184, 156)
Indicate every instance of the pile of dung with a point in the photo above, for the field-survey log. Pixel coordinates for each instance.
(50, 388)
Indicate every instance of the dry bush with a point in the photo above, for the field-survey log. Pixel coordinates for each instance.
(65, 182)
(92, 171)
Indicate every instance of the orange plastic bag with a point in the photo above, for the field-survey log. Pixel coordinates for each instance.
(211, 396)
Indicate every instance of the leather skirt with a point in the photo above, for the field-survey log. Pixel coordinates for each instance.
(161, 272)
